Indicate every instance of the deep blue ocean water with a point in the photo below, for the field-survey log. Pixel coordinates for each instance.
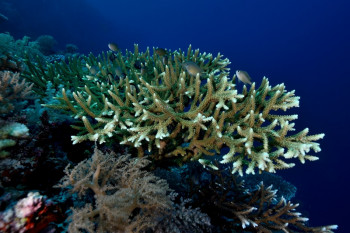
(302, 43)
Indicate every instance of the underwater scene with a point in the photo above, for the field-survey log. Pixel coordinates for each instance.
(174, 116)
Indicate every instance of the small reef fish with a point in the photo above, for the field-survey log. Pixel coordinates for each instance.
(207, 163)
(165, 60)
(243, 76)
(192, 68)
(161, 52)
(118, 71)
(93, 70)
(110, 77)
(3, 18)
(114, 47)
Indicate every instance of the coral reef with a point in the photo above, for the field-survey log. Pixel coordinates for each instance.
(120, 188)
(12, 91)
(71, 48)
(9, 133)
(12, 52)
(69, 74)
(30, 214)
(190, 177)
(285, 189)
(120, 195)
(127, 198)
(38, 159)
(23, 155)
(233, 208)
(183, 218)
(163, 109)
(175, 107)
(46, 44)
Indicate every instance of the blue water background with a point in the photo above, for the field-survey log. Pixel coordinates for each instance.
(302, 43)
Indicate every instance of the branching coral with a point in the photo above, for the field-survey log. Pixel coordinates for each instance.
(12, 89)
(57, 73)
(153, 104)
(235, 209)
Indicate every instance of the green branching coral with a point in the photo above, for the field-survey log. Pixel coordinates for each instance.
(56, 74)
(153, 104)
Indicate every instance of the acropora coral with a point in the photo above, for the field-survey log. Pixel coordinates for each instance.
(154, 105)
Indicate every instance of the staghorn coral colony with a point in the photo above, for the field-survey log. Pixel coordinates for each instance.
(162, 109)
(173, 107)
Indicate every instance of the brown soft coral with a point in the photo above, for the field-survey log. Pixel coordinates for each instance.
(127, 198)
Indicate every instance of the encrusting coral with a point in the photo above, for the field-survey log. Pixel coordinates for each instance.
(154, 104)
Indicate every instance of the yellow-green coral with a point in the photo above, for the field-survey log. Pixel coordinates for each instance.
(159, 107)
